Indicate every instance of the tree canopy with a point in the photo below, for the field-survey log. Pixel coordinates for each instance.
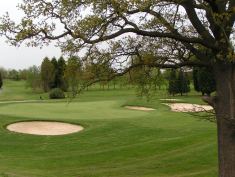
(174, 29)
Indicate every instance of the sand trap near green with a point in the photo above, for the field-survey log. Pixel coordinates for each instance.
(186, 107)
(44, 128)
(139, 108)
(170, 99)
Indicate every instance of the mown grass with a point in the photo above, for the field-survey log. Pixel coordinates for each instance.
(115, 143)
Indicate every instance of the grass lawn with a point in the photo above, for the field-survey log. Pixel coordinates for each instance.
(116, 142)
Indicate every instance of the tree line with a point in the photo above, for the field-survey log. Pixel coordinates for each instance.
(55, 73)
(68, 74)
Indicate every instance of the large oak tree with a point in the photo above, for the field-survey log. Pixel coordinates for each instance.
(161, 33)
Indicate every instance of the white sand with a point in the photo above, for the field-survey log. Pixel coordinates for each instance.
(186, 107)
(44, 128)
(139, 108)
(169, 99)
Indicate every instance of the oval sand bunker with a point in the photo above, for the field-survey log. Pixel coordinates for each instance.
(187, 107)
(44, 128)
(139, 108)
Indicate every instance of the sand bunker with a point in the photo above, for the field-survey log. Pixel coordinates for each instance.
(139, 108)
(186, 107)
(170, 99)
(44, 128)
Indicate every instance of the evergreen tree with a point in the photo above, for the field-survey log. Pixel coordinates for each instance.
(1, 81)
(172, 87)
(195, 79)
(47, 74)
(183, 83)
(206, 81)
(61, 64)
(56, 78)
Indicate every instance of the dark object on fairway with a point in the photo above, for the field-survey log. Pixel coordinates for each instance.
(41, 97)
(56, 93)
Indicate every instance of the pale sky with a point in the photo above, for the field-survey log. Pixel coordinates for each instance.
(21, 57)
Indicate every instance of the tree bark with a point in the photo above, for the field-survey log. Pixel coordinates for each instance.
(225, 115)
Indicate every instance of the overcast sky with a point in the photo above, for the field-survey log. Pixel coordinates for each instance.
(21, 57)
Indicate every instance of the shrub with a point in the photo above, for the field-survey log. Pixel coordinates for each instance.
(56, 93)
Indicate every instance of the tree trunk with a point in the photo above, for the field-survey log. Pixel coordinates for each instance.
(225, 115)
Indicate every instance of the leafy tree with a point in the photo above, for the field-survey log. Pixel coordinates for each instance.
(88, 72)
(158, 78)
(148, 80)
(47, 74)
(14, 75)
(33, 78)
(22, 74)
(4, 72)
(171, 30)
(73, 73)
(103, 71)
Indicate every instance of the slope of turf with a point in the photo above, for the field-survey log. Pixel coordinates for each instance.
(116, 142)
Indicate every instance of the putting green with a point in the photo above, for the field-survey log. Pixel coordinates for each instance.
(73, 110)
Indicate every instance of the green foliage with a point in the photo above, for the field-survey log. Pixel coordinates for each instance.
(148, 80)
(59, 67)
(73, 73)
(183, 83)
(178, 82)
(14, 75)
(61, 82)
(172, 86)
(1, 80)
(195, 79)
(23, 74)
(4, 72)
(33, 78)
(205, 80)
(56, 93)
(47, 74)
(56, 77)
